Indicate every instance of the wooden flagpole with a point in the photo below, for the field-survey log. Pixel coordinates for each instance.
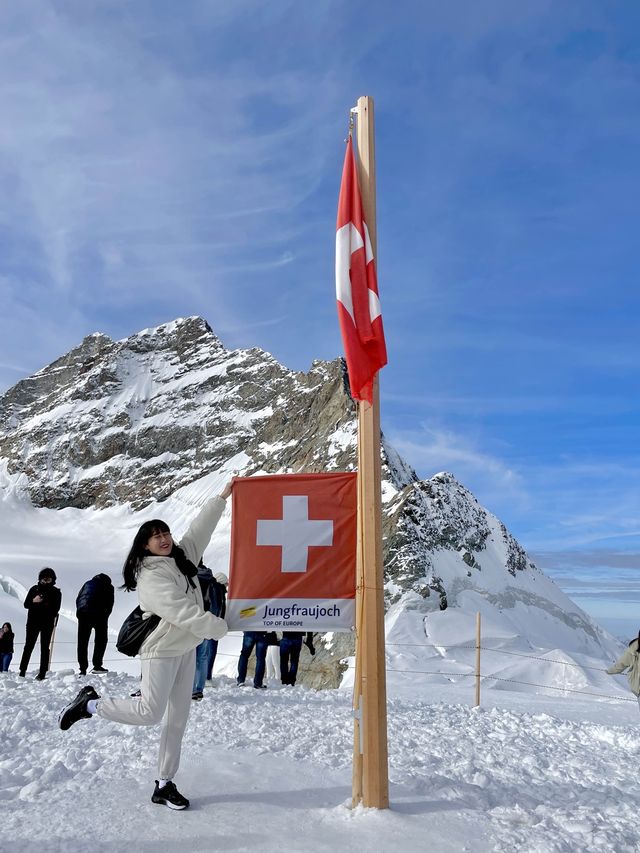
(51, 642)
(370, 760)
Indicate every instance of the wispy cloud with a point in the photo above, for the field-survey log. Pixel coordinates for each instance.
(597, 559)
(13, 367)
(572, 506)
(164, 176)
(491, 403)
(433, 449)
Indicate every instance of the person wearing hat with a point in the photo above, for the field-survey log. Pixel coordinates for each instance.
(43, 604)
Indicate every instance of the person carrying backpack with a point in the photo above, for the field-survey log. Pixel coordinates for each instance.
(290, 648)
(214, 594)
(163, 572)
(93, 608)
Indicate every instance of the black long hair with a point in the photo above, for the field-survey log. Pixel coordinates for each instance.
(138, 552)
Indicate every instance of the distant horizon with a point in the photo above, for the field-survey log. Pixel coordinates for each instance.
(608, 595)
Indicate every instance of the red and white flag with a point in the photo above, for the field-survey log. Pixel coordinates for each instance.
(293, 553)
(357, 288)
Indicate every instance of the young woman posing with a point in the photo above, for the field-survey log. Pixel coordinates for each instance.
(165, 576)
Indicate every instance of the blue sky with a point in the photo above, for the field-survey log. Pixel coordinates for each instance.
(161, 160)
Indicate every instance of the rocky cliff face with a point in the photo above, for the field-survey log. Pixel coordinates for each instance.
(130, 421)
(434, 515)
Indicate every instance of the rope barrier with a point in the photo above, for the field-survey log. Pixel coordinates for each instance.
(431, 646)
(418, 645)
(499, 652)
(567, 689)
(439, 672)
(305, 668)
(121, 659)
(546, 660)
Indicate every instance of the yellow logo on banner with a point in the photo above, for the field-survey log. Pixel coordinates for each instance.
(247, 612)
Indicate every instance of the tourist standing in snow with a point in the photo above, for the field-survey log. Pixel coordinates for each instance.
(251, 640)
(290, 648)
(220, 595)
(630, 659)
(93, 608)
(214, 595)
(273, 657)
(6, 646)
(43, 604)
(165, 576)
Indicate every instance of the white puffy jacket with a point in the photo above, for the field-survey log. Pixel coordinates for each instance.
(165, 591)
(630, 659)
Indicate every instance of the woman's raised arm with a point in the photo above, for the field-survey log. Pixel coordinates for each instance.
(196, 539)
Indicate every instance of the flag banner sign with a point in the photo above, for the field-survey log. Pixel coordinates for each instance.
(359, 309)
(293, 553)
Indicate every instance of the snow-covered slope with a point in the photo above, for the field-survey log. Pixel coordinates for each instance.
(270, 770)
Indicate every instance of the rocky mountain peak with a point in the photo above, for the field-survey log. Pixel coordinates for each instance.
(183, 336)
(133, 420)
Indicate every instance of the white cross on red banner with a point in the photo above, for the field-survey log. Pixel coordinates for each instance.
(293, 551)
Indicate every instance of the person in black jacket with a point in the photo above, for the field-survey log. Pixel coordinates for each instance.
(6, 646)
(290, 647)
(43, 604)
(93, 608)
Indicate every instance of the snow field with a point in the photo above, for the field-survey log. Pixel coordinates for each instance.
(268, 770)
(533, 769)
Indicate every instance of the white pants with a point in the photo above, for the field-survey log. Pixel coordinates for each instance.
(166, 697)
(273, 663)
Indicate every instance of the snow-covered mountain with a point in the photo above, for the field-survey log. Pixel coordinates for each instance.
(91, 443)
(128, 421)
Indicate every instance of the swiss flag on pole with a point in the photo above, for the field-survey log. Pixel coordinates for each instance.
(357, 287)
(293, 553)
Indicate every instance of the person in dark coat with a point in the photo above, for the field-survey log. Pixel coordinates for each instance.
(290, 647)
(43, 605)
(6, 646)
(93, 608)
(214, 595)
(219, 599)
